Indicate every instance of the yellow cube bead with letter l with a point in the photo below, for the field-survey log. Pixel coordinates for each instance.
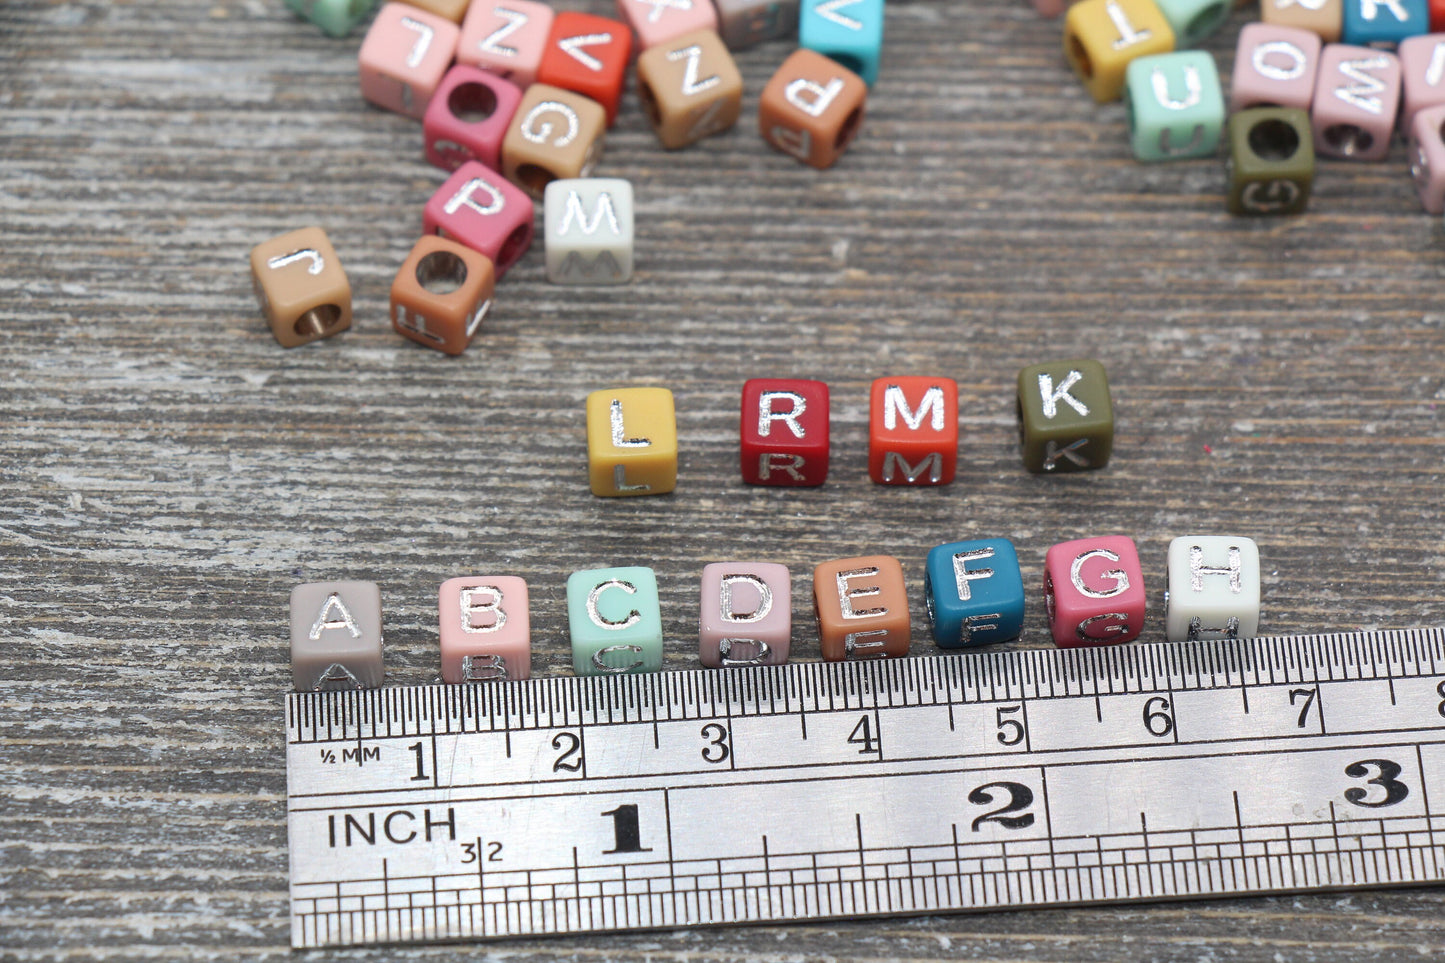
(631, 442)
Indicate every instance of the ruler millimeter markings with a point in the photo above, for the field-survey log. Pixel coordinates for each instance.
(838, 790)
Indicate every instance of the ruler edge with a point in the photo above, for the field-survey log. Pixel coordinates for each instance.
(294, 700)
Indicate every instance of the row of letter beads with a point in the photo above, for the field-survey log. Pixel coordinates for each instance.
(1065, 410)
(973, 594)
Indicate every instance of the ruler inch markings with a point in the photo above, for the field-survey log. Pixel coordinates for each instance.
(941, 819)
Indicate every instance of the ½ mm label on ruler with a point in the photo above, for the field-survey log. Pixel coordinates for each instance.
(815, 791)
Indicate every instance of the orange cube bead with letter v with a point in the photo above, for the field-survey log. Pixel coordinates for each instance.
(631, 442)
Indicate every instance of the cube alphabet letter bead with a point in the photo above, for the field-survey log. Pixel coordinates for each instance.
(589, 231)
(1175, 104)
(1271, 165)
(1357, 93)
(746, 23)
(1102, 36)
(913, 431)
(467, 118)
(477, 207)
(334, 17)
(862, 608)
(660, 21)
(588, 55)
(615, 620)
(452, 10)
(1193, 21)
(1066, 416)
(848, 31)
(1383, 23)
(507, 38)
(485, 630)
(302, 289)
(336, 636)
(1214, 587)
(1427, 157)
(974, 593)
(746, 615)
(690, 88)
(554, 133)
(1325, 18)
(812, 108)
(1422, 73)
(404, 57)
(442, 294)
(1274, 66)
(1094, 591)
(784, 434)
(631, 442)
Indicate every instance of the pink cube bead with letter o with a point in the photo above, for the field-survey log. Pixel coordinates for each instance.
(404, 57)
(746, 616)
(1274, 66)
(486, 634)
(481, 209)
(1094, 591)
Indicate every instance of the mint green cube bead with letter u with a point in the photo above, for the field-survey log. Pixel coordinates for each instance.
(1175, 106)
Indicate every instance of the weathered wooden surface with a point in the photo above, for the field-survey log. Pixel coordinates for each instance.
(167, 472)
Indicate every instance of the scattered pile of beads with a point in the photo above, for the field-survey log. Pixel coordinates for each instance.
(1314, 78)
(1066, 424)
(514, 102)
(973, 595)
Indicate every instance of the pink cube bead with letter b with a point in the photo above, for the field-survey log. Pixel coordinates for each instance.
(746, 616)
(486, 633)
(1094, 591)
(404, 57)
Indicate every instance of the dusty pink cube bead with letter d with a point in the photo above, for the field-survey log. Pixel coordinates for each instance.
(746, 615)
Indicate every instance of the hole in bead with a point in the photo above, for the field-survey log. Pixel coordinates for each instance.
(318, 321)
(649, 104)
(849, 128)
(1080, 57)
(472, 103)
(1347, 140)
(1205, 20)
(850, 61)
(441, 272)
(514, 246)
(534, 178)
(1274, 140)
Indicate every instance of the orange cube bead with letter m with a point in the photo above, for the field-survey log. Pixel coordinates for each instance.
(913, 431)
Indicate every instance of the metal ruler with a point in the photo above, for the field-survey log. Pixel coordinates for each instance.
(821, 791)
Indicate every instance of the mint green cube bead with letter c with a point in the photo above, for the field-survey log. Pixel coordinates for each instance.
(615, 620)
(1175, 106)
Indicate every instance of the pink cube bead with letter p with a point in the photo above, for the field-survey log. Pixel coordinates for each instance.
(1094, 591)
(404, 57)
(486, 633)
(479, 208)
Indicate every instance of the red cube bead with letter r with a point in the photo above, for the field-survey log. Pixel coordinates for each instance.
(913, 431)
(785, 432)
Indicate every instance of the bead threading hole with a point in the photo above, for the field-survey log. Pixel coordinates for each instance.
(649, 104)
(472, 103)
(1273, 140)
(849, 61)
(1080, 56)
(1347, 140)
(441, 272)
(319, 320)
(1205, 20)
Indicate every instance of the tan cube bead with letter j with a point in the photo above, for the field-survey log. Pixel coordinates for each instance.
(302, 289)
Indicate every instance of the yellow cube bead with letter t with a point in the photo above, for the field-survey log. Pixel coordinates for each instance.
(631, 442)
